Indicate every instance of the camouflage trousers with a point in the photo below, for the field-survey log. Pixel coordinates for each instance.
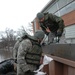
(51, 37)
(20, 72)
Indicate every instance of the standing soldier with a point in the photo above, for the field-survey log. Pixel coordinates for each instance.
(29, 54)
(51, 24)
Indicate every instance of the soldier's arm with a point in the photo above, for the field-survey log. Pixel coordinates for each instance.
(44, 28)
(15, 50)
(24, 46)
(59, 20)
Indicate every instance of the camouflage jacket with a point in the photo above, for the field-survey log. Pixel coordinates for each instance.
(53, 22)
(33, 55)
(25, 45)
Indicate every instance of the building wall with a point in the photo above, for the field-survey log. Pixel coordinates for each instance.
(70, 33)
(35, 25)
(69, 18)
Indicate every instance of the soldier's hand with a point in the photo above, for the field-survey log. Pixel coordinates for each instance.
(30, 72)
(41, 60)
(15, 66)
(47, 29)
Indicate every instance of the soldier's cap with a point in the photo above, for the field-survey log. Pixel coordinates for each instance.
(40, 15)
(39, 34)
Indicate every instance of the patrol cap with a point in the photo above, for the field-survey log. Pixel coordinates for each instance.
(40, 15)
(39, 34)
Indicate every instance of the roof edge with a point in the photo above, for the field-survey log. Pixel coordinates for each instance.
(47, 5)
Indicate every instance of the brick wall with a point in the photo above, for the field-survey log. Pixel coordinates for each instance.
(69, 18)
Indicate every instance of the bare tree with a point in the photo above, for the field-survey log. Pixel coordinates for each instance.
(22, 30)
(30, 29)
(8, 38)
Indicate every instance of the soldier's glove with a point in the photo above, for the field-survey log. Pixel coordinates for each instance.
(43, 44)
(29, 73)
(47, 33)
(59, 33)
(15, 60)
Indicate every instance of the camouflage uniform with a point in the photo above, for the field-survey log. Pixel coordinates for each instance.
(22, 66)
(53, 22)
(26, 45)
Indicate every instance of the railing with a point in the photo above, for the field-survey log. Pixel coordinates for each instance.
(60, 66)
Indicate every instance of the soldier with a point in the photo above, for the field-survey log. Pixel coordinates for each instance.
(51, 24)
(29, 54)
(16, 46)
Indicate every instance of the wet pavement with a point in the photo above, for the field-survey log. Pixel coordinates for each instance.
(5, 54)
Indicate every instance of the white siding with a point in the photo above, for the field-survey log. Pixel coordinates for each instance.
(70, 31)
(70, 34)
(67, 9)
(53, 8)
(60, 4)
